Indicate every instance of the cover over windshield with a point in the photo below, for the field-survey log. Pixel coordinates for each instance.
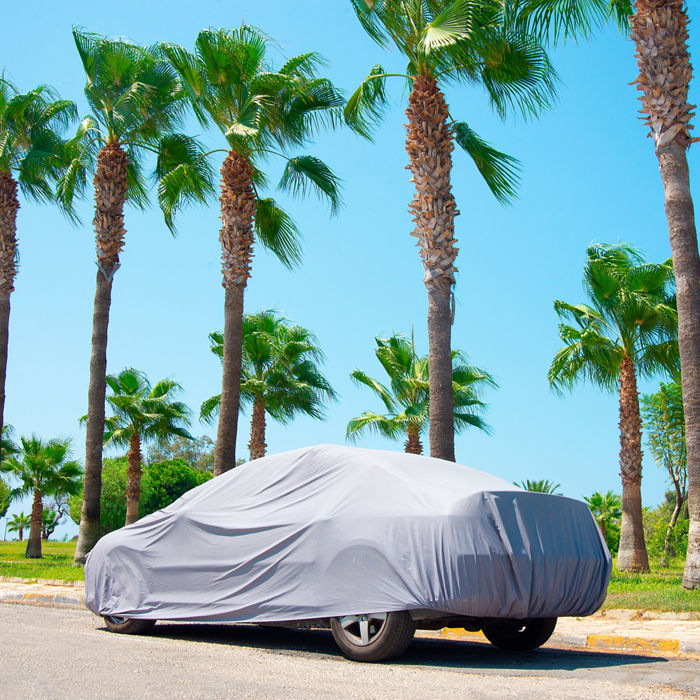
(328, 530)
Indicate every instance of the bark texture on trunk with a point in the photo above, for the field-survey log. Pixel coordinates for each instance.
(660, 32)
(429, 146)
(237, 211)
(110, 195)
(133, 479)
(668, 553)
(34, 542)
(632, 555)
(257, 444)
(9, 204)
(413, 444)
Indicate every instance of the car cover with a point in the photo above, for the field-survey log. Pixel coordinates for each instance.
(329, 530)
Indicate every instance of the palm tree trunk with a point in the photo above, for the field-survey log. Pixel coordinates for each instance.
(34, 542)
(660, 32)
(257, 429)
(110, 195)
(237, 212)
(133, 479)
(9, 204)
(413, 444)
(21, 534)
(429, 146)
(603, 529)
(632, 555)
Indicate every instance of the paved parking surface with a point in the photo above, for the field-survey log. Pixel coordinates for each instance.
(61, 652)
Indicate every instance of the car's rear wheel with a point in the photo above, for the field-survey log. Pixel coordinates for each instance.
(125, 625)
(373, 637)
(520, 635)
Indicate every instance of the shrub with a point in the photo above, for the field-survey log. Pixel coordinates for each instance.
(161, 484)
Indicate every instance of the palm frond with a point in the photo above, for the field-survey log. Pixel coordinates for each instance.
(277, 232)
(307, 173)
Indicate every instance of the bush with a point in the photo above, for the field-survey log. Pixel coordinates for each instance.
(161, 484)
(655, 525)
(164, 482)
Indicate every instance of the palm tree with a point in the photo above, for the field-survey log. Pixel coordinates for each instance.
(261, 112)
(137, 101)
(279, 374)
(31, 156)
(407, 397)
(660, 33)
(606, 509)
(664, 423)
(142, 414)
(43, 469)
(450, 41)
(630, 329)
(19, 523)
(540, 486)
(7, 448)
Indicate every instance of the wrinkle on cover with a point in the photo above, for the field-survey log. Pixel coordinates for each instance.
(331, 530)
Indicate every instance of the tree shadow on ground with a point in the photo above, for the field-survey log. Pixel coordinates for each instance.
(440, 653)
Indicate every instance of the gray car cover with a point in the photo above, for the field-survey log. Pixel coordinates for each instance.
(328, 530)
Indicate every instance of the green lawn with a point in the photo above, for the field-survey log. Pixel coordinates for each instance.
(659, 590)
(57, 562)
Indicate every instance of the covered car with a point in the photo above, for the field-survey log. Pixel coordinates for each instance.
(369, 542)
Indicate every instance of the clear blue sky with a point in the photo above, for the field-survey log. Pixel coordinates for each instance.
(589, 175)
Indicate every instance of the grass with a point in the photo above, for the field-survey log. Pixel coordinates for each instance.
(660, 590)
(56, 563)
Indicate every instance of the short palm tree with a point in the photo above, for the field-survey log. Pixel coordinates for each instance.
(142, 414)
(407, 397)
(261, 113)
(629, 329)
(279, 374)
(606, 509)
(31, 156)
(18, 523)
(43, 469)
(450, 42)
(137, 102)
(539, 486)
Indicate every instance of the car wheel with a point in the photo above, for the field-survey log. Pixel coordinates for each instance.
(373, 637)
(520, 635)
(125, 625)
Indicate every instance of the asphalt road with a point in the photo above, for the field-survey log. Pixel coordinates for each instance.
(51, 652)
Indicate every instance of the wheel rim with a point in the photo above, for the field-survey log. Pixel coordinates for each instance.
(362, 630)
(116, 620)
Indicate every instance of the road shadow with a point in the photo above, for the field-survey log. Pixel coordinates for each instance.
(439, 653)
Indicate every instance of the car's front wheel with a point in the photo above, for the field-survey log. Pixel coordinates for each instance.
(125, 625)
(520, 635)
(373, 637)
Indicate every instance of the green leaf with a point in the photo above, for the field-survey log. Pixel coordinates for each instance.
(307, 173)
(278, 232)
(500, 171)
(367, 104)
(448, 27)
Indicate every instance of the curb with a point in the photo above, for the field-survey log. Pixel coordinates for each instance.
(599, 642)
(41, 599)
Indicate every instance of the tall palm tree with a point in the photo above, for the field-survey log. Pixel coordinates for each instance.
(31, 156)
(606, 509)
(19, 523)
(261, 113)
(142, 414)
(629, 329)
(279, 374)
(446, 42)
(407, 397)
(660, 33)
(43, 469)
(137, 102)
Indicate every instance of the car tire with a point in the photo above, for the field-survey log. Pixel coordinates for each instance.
(373, 637)
(520, 635)
(125, 625)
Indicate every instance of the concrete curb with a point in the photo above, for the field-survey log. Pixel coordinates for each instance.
(597, 642)
(41, 599)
